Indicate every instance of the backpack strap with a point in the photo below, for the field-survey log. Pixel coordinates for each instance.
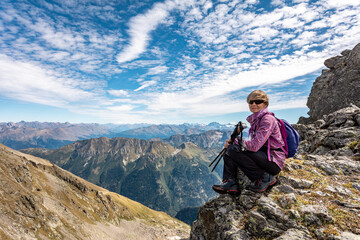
(283, 135)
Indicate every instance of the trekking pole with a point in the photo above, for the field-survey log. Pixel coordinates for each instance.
(218, 157)
(222, 154)
(239, 127)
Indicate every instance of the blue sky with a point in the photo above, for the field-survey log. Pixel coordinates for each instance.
(172, 61)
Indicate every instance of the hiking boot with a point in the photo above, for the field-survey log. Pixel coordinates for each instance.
(263, 183)
(227, 186)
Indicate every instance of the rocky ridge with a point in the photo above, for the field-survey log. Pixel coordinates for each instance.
(39, 200)
(208, 139)
(52, 135)
(49, 135)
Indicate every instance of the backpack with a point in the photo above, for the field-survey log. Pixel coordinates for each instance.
(291, 137)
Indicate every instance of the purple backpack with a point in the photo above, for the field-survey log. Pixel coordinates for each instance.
(291, 137)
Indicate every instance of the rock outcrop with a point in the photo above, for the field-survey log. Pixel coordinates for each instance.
(337, 87)
(308, 203)
(336, 135)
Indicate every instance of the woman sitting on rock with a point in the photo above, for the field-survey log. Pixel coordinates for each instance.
(253, 157)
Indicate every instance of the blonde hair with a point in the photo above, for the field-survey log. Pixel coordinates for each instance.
(258, 95)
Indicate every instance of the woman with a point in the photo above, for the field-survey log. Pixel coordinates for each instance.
(261, 157)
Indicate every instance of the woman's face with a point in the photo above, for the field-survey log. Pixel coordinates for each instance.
(256, 105)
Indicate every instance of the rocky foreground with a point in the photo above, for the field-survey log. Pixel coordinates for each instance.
(308, 204)
(318, 195)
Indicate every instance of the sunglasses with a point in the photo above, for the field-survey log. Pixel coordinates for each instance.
(257, 102)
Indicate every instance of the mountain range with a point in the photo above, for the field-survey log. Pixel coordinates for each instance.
(154, 173)
(126, 165)
(55, 135)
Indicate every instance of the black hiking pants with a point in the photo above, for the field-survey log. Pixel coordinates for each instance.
(253, 164)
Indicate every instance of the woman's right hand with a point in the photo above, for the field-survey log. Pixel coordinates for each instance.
(227, 143)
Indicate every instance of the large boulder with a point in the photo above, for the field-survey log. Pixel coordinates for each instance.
(337, 87)
(336, 134)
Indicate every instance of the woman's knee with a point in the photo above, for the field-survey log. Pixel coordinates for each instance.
(228, 159)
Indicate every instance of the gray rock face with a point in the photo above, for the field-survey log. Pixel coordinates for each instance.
(336, 134)
(219, 219)
(336, 87)
(295, 234)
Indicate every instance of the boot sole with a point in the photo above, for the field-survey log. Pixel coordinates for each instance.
(265, 188)
(222, 191)
(269, 185)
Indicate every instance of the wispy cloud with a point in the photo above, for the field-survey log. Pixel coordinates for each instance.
(118, 93)
(145, 84)
(32, 83)
(142, 25)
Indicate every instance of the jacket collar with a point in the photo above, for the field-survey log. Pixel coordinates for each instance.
(255, 116)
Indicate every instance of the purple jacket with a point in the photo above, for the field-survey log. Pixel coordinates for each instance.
(265, 131)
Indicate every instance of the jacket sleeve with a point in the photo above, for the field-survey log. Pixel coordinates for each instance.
(261, 134)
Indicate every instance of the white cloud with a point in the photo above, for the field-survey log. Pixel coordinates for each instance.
(291, 23)
(340, 4)
(60, 55)
(207, 6)
(278, 2)
(304, 38)
(207, 98)
(317, 24)
(300, 1)
(140, 27)
(121, 109)
(288, 104)
(29, 82)
(118, 93)
(63, 39)
(145, 84)
(262, 33)
(252, 2)
(157, 70)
